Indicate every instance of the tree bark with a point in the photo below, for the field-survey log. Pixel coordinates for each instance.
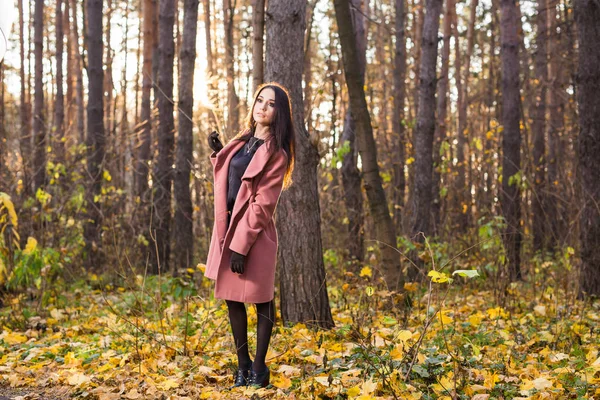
(79, 76)
(511, 143)
(300, 254)
(442, 115)
(423, 138)
(351, 178)
(39, 117)
(538, 128)
(398, 123)
(384, 228)
(587, 15)
(258, 33)
(95, 133)
(25, 110)
(59, 102)
(184, 159)
(144, 135)
(163, 175)
(233, 101)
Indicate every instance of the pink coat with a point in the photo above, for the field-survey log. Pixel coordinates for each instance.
(252, 228)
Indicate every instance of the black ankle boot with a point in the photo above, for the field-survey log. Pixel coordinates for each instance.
(242, 377)
(259, 378)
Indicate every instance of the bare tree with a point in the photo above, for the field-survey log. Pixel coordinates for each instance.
(300, 255)
(398, 123)
(538, 127)
(384, 228)
(183, 234)
(39, 118)
(59, 102)
(233, 101)
(258, 33)
(25, 110)
(163, 175)
(587, 15)
(511, 140)
(95, 132)
(423, 137)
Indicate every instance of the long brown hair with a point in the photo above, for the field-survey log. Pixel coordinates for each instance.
(282, 127)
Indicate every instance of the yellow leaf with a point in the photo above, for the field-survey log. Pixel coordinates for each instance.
(366, 271)
(78, 379)
(201, 267)
(445, 318)
(579, 329)
(411, 286)
(282, 382)
(369, 387)
(133, 394)
(438, 277)
(370, 291)
(168, 384)
(410, 160)
(10, 207)
(31, 246)
(475, 319)
(11, 338)
(353, 391)
(106, 176)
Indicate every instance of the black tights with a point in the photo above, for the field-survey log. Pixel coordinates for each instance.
(239, 326)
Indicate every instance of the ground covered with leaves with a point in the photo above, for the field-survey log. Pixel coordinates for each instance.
(158, 339)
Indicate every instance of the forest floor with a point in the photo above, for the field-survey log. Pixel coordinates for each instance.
(537, 341)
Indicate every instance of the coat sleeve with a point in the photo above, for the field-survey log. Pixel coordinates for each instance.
(262, 207)
(213, 158)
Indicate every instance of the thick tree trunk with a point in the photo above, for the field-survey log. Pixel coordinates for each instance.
(233, 101)
(39, 118)
(25, 110)
(538, 128)
(59, 102)
(308, 56)
(302, 273)
(442, 115)
(258, 33)
(183, 211)
(511, 141)
(144, 134)
(351, 179)
(423, 138)
(587, 15)
(95, 133)
(382, 222)
(398, 125)
(163, 176)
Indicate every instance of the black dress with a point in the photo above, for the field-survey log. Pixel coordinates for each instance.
(237, 167)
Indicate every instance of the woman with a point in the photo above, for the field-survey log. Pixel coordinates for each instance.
(249, 174)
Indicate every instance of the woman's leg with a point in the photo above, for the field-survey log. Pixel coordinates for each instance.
(239, 326)
(266, 319)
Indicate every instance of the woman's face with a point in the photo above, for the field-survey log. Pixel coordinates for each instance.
(264, 107)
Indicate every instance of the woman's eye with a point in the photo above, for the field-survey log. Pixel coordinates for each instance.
(259, 101)
(272, 104)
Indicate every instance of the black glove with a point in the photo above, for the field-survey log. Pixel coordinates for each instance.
(213, 141)
(237, 262)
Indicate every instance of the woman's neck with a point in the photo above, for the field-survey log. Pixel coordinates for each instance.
(262, 131)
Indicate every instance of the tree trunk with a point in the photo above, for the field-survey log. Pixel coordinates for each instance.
(538, 128)
(70, 72)
(398, 123)
(423, 138)
(587, 15)
(163, 176)
(511, 143)
(556, 105)
(233, 101)
(442, 115)
(351, 179)
(59, 107)
(300, 254)
(382, 222)
(39, 118)
(95, 133)
(258, 33)
(79, 75)
(144, 135)
(183, 210)
(25, 107)
(308, 57)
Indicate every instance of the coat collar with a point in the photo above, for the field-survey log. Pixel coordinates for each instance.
(259, 160)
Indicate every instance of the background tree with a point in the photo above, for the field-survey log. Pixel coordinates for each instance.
(303, 286)
(587, 14)
(511, 137)
(39, 118)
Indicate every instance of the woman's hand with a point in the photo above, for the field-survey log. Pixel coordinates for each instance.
(237, 262)
(213, 141)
